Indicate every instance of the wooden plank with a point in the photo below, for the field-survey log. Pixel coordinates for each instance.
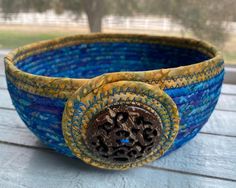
(229, 89)
(205, 154)
(2, 69)
(230, 76)
(20, 136)
(5, 100)
(10, 119)
(11, 125)
(3, 84)
(24, 167)
(2, 72)
(221, 123)
(13, 130)
(226, 102)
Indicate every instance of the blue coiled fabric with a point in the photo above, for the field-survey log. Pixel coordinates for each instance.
(90, 60)
(43, 115)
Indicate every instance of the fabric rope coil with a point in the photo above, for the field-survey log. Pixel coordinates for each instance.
(115, 101)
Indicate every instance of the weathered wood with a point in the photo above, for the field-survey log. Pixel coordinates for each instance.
(19, 136)
(205, 154)
(3, 84)
(2, 69)
(229, 89)
(5, 100)
(2, 72)
(221, 123)
(10, 119)
(24, 167)
(227, 102)
(13, 130)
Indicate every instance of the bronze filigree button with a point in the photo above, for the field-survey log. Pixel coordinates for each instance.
(124, 133)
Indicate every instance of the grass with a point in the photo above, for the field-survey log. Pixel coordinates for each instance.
(15, 36)
(230, 57)
(13, 39)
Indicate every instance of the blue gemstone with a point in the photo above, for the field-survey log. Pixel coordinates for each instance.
(124, 140)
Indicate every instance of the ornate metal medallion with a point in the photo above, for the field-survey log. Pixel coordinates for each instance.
(124, 133)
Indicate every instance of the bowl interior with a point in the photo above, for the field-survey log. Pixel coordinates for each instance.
(93, 59)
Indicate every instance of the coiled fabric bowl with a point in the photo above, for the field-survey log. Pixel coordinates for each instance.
(115, 101)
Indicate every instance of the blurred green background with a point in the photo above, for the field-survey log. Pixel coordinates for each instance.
(26, 21)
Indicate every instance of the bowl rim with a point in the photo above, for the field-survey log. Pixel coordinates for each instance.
(62, 87)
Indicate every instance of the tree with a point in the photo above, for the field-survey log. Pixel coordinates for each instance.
(95, 10)
(17, 6)
(206, 19)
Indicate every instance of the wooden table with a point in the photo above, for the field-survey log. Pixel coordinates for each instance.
(209, 160)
